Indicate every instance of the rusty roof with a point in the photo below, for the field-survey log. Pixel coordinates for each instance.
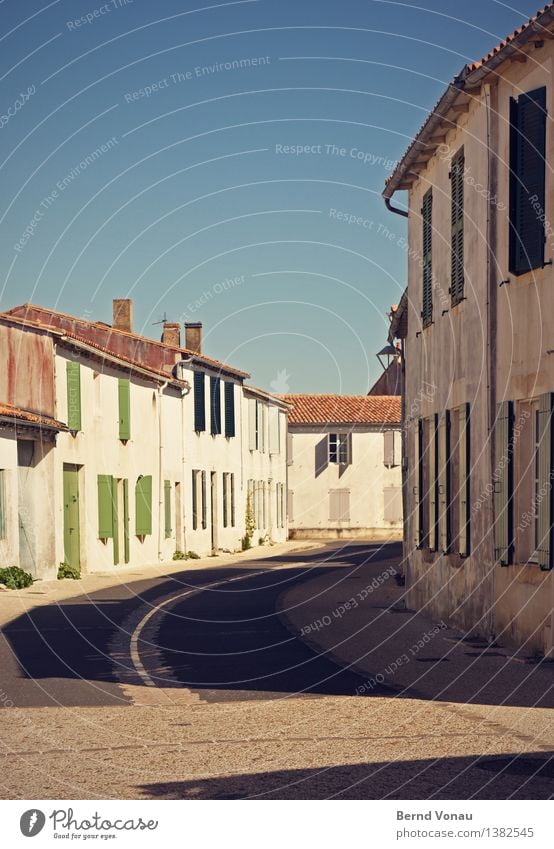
(17, 415)
(343, 409)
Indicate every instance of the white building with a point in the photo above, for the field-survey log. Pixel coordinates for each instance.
(344, 466)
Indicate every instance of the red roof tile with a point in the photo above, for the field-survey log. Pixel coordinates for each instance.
(343, 409)
(18, 414)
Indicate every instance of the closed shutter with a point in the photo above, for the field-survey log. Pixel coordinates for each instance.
(527, 181)
(427, 251)
(444, 481)
(73, 372)
(229, 409)
(167, 508)
(290, 505)
(194, 499)
(3, 503)
(262, 425)
(124, 394)
(252, 424)
(143, 506)
(457, 228)
(503, 484)
(232, 496)
(274, 430)
(417, 489)
(433, 484)
(289, 448)
(215, 405)
(199, 401)
(204, 502)
(388, 445)
(339, 505)
(545, 547)
(105, 506)
(464, 465)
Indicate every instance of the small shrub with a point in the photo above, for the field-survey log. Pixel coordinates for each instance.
(65, 570)
(180, 555)
(15, 578)
(192, 555)
(246, 543)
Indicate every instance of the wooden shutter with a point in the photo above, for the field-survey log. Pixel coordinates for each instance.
(388, 448)
(215, 405)
(427, 257)
(73, 373)
(194, 499)
(417, 490)
(199, 401)
(290, 504)
(252, 424)
(274, 430)
(204, 501)
(262, 425)
(457, 228)
(232, 497)
(124, 396)
(105, 506)
(289, 448)
(229, 409)
(433, 484)
(167, 508)
(545, 548)
(339, 505)
(527, 181)
(143, 506)
(444, 481)
(464, 466)
(503, 483)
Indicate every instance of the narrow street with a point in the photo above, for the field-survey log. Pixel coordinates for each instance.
(199, 685)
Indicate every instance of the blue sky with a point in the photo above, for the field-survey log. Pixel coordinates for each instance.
(223, 163)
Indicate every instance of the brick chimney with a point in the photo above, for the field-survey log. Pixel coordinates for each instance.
(193, 336)
(123, 314)
(172, 334)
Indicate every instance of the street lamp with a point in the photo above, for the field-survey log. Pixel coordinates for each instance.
(386, 355)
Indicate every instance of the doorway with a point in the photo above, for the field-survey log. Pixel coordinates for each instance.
(71, 529)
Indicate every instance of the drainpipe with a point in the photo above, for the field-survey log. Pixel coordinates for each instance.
(395, 209)
(161, 388)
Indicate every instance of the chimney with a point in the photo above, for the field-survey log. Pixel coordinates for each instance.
(123, 314)
(172, 334)
(193, 336)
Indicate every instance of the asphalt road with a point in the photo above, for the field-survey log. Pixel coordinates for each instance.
(215, 631)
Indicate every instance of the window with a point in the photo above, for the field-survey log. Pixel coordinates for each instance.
(457, 228)
(339, 448)
(167, 508)
(215, 405)
(503, 483)
(527, 181)
(275, 416)
(143, 505)
(229, 409)
(124, 395)
(73, 374)
(444, 482)
(339, 505)
(431, 483)
(257, 417)
(199, 503)
(105, 506)
(3, 505)
(427, 256)
(199, 401)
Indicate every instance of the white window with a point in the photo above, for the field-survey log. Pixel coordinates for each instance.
(339, 448)
(257, 425)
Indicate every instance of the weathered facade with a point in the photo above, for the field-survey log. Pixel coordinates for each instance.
(344, 473)
(478, 331)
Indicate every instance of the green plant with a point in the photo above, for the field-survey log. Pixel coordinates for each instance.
(180, 555)
(15, 578)
(192, 555)
(249, 524)
(65, 570)
(246, 543)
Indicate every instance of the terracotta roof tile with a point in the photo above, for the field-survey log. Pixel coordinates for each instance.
(18, 414)
(343, 409)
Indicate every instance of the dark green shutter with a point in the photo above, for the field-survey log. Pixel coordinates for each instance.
(229, 409)
(73, 372)
(418, 487)
(215, 405)
(527, 181)
(503, 483)
(143, 506)
(427, 216)
(545, 549)
(457, 228)
(432, 500)
(199, 401)
(194, 499)
(105, 506)
(444, 482)
(124, 394)
(167, 508)
(464, 465)
(204, 502)
(232, 499)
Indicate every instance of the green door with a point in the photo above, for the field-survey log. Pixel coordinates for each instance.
(126, 519)
(71, 538)
(115, 518)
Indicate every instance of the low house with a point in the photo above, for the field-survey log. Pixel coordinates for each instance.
(344, 466)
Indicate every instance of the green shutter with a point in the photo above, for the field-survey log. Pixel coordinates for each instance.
(432, 483)
(229, 409)
(167, 508)
(464, 465)
(194, 499)
(427, 250)
(199, 401)
(105, 506)
(418, 487)
(527, 181)
(503, 483)
(215, 405)
(73, 371)
(457, 228)
(124, 392)
(545, 469)
(204, 501)
(444, 481)
(143, 506)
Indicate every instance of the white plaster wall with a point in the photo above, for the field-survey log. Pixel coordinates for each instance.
(9, 546)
